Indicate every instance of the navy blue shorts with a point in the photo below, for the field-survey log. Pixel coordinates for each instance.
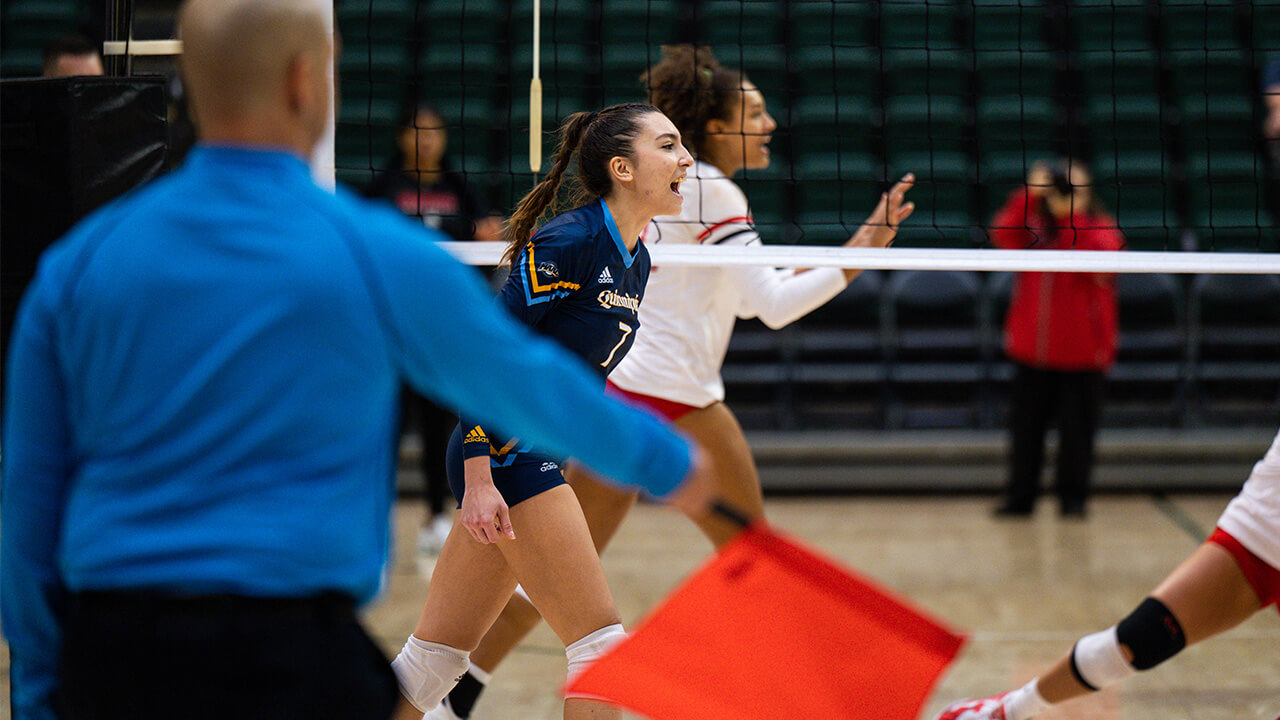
(529, 474)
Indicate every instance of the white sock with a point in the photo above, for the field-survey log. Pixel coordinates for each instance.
(1024, 702)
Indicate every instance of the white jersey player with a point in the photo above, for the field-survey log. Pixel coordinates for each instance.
(1235, 573)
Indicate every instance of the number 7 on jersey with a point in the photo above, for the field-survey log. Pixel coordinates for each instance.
(626, 330)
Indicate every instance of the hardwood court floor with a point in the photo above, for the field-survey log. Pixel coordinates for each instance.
(1024, 591)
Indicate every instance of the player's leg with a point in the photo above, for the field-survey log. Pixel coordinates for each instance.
(1207, 594)
(559, 569)
(604, 508)
(469, 587)
(737, 480)
(1028, 424)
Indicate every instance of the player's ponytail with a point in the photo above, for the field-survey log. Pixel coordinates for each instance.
(691, 87)
(596, 138)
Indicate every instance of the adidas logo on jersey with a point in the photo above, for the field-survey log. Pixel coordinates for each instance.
(605, 277)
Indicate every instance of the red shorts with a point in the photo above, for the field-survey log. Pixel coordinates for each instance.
(669, 409)
(1264, 578)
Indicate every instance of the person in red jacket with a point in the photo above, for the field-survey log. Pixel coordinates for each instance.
(1060, 333)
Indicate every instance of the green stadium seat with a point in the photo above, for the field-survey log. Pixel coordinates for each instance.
(831, 125)
(374, 112)
(1008, 25)
(927, 72)
(567, 73)
(934, 348)
(563, 21)
(28, 24)
(465, 21)
(1015, 124)
(914, 25)
(846, 186)
(18, 62)
(1198, 24)
(1213, 72)
(822, 23)
(1013, 72)
(377, 70)
(1126, 123)
(621, 67)
(647, 22)
(943, 195)
(1136, 189)
(1131, 72)
(739, 22)
(1265, 22)
(839, 375)
(1217, 123)
(1235, 347)
(463, 79)
(765, 66)
(917, 123)
(1147, 385)
(831, 227)
(375, 21)
(844, 72)
(767, 192)
(1227, 201)
(1110, 25)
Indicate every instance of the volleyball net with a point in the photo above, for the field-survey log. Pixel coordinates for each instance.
(1164, 101)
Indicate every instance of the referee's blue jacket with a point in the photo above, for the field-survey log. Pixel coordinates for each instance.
(202, 390)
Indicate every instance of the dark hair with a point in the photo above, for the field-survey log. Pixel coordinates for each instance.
(596, 138)
(408, 117)
(691, 87)
(1061, 172)
(74, 45)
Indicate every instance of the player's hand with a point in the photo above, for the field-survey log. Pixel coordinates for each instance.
(882, 227)
(695, 494)
(484, 513)
(1039, 180)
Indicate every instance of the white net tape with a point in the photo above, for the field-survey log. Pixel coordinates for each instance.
(803, 256)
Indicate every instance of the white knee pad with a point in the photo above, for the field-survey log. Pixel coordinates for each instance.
(1097, 660)
(583, 652)
(427, 671)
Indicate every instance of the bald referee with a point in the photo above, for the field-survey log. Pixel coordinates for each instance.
(198, 436)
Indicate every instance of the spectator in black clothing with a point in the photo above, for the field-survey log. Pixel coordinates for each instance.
(418, 181)
(70, 56)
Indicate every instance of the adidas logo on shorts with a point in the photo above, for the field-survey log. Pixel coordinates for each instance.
(605, 278)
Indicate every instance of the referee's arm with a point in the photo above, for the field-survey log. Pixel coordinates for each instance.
(37, 470)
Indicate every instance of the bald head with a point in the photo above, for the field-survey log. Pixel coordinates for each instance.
(257, 70)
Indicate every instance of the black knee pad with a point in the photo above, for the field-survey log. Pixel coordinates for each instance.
(1152, 634)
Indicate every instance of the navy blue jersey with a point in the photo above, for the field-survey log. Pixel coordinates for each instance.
(577, 283)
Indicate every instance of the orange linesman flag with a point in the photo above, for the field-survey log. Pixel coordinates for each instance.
(768, 629)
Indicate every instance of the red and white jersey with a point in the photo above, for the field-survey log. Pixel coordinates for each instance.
(1253, 517)
(688, 312)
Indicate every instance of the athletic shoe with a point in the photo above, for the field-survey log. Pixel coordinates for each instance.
(431, 538)
(991, 708)
(441, 712)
